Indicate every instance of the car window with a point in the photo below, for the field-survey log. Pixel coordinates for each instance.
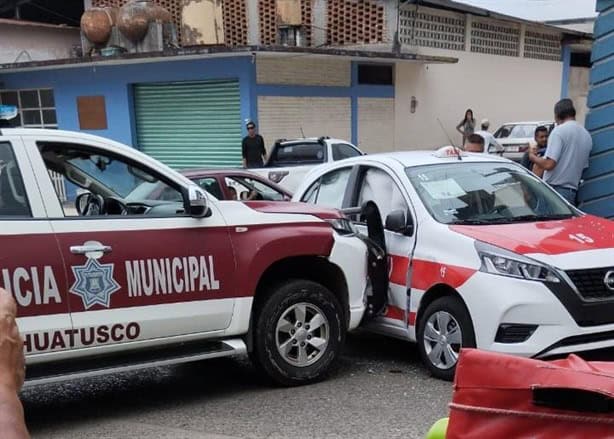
(344, 151)
(377, 186)
(485, 193)
(211, 185)
(516, 131)
(115, 185)
(329, 189)
(252, 189)
(13, 200)
(298, 154)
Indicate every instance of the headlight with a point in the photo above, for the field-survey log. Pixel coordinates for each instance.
(343, 226)
(499, 261)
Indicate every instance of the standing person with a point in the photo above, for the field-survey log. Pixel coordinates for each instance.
(489, 139)
(467, 125)
(569, 146)
(12, 371)
(253, 149)
(475, 143)
(538, 148)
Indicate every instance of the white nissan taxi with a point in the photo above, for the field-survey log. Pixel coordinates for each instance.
(481, 253)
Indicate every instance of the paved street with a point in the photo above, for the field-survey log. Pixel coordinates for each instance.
(380, 390)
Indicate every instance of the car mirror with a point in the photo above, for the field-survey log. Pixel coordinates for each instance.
(197, 201)
(399, 222)
(82, 201)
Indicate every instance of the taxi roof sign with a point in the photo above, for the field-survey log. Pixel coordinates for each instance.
(449, 151)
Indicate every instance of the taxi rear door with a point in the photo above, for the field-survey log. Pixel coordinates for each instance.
(31, 266)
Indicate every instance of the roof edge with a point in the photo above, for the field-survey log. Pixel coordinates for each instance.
(219, 51)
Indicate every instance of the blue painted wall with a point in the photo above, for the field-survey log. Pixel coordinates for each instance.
(596, 195)
(115, 84)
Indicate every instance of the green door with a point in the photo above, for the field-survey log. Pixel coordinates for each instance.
(190, 124)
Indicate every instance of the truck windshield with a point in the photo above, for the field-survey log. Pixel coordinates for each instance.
(485, 193)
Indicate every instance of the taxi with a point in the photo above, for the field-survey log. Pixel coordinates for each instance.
(481, 253)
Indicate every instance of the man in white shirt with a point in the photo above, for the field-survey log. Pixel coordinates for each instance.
(489, 139)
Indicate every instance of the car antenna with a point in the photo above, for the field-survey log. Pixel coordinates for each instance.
(302, 133)
(456, 148)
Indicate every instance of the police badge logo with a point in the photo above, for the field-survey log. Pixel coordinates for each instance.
(94, 283)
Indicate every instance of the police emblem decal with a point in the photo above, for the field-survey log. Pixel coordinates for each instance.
(94, 283)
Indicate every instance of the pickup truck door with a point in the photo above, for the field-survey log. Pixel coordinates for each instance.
(31, 266)
(138, 268)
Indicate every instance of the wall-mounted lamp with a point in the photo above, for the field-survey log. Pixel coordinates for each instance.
(413, 103)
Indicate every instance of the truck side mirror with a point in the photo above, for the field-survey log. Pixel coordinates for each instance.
(197, 201)
(398, 221)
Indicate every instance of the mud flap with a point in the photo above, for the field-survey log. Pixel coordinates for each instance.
(377, 259)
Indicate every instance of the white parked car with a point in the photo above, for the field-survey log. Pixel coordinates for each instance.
(290, 160)
(482, 254)
(515, 137)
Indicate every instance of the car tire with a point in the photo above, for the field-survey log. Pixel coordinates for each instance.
(287, 345)
(439, 349)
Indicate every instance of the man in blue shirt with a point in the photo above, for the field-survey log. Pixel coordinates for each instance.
(569, 146)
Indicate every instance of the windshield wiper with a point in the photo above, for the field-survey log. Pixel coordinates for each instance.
(543, 217)
(472, 222)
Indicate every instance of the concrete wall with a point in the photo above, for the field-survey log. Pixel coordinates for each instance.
(287, 117)
(499, 88)
(375, 124)
(303, 71)
(24, 42)
(114, 82)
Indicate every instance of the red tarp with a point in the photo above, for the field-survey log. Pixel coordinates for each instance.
(500, 396)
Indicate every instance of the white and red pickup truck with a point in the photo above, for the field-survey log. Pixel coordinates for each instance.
(290, 160)
(104, 284)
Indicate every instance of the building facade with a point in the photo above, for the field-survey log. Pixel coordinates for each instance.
(384, 75)
(597, 192)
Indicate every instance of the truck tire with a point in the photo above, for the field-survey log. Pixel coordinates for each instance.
(298, 333)
(443, 328)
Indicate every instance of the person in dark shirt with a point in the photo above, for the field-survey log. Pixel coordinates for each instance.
(253, 149)
(538, 148)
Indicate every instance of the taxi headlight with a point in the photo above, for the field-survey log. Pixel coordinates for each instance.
(502, 262)
(343, 226)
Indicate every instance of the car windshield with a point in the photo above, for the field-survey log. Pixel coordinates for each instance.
(516, 131)
(485, 193)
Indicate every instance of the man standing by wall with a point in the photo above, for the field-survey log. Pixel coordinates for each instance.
(569, 146)
(253, 149)
(538, 148)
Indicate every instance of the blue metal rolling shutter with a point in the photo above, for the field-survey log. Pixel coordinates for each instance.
(189, 124)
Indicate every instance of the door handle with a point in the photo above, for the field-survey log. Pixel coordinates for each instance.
(89, 248)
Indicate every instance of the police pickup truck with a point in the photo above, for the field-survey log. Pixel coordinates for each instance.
(110, 282)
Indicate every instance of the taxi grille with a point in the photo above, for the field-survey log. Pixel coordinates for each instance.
(591, 283)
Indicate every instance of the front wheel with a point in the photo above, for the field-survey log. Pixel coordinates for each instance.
(298, 333)
(443, 329)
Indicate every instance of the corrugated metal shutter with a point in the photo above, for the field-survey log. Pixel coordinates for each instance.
(190, 124)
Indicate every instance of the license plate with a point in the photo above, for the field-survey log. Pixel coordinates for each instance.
(512, 148)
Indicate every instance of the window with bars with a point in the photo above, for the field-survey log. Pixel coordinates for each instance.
(541, 45)
(429, 29)
(494, 38)
(36, 107)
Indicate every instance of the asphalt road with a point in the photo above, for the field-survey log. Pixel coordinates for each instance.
(379, 390)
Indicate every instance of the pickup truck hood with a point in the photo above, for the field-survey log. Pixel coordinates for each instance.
(544, 240)
(295, 208)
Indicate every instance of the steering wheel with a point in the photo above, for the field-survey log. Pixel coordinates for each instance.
(497, 209)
